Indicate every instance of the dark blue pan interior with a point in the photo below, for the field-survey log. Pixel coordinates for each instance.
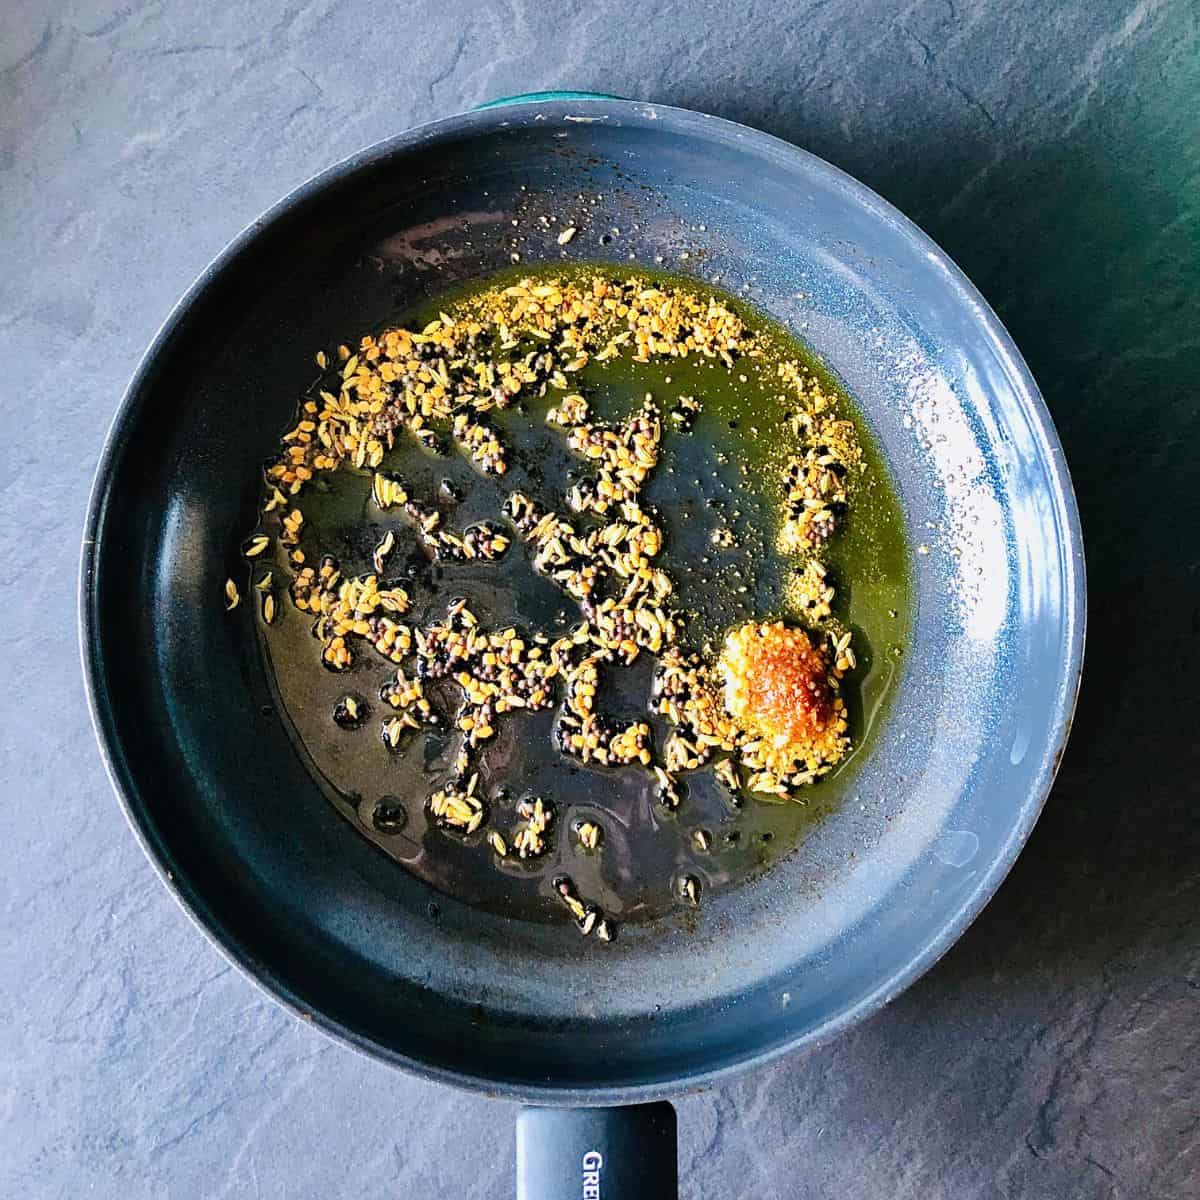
(338, 931)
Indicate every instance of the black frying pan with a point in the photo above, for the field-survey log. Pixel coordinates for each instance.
(286, 885)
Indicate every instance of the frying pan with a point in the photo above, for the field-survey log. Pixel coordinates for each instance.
(288, 889)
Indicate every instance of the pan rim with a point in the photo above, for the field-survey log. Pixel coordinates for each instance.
(1072, 567)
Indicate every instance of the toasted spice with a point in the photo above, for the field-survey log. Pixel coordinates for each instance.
(766, 715)
(457, 808)
(589, 835)
(530, 839)
(351, 711)
(782, 689)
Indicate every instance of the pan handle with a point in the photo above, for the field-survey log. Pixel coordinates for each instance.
(625, 1153)
(527, 97)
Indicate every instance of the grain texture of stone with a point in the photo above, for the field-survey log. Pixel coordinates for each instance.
(1054, 151)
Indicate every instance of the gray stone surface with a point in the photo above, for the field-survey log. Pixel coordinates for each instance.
(1054, 150)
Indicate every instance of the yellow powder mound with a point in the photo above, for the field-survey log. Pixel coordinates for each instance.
(781, 689)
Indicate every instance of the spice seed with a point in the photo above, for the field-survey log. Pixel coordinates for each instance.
(350, 712)
(487, 354)
(589, 835)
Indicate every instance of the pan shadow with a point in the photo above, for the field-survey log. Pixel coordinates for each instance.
(1073, 999)
(1095, 269)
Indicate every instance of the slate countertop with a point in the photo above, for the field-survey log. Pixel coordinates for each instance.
(1053, 149)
